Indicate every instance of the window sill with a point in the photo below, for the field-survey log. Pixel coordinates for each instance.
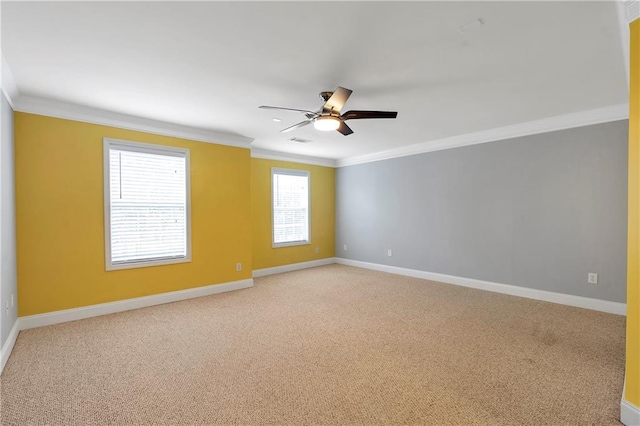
(146, 264)
(291, 244)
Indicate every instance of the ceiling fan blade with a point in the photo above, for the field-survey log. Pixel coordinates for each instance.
(288, 109)
(337, 100)
(296, 126)
(344, 129)
(357, 115)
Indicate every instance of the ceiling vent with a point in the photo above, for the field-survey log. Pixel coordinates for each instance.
(633, 9)
(299, 140)
(471, 26)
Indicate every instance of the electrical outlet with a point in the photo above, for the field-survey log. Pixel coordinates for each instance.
(389, 253)
(238, 267)
(345, 247)
(317, 249)
(592, 278)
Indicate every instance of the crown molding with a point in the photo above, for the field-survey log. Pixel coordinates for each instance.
(632, 9)
(58, 109)
(294, 158)
(561, 122)
(8, 83)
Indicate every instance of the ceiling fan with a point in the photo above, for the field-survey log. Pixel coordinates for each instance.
(328, 117)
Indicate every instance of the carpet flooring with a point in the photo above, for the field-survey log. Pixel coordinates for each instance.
(328, 345)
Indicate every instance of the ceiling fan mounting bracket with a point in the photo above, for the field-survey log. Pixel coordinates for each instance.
(325, 95)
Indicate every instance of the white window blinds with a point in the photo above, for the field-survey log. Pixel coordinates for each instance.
(290, 198)
(148, 204)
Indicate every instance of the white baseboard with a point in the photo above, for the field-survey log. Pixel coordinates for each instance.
(293, 267)
(629, 413)
(74, 314)
(547, 296)
(8, 345)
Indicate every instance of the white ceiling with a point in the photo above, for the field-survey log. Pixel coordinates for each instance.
(211, 64)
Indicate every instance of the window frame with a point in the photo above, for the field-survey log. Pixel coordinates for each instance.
(146, 148)
(291, 172)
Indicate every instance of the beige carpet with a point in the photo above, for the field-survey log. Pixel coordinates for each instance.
(329, 345)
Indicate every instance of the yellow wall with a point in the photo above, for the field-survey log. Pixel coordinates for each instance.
(633, 261)
(322, 215)
(60, 225)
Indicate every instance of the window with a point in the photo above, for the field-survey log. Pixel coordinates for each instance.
(146, 199)
(290, 202)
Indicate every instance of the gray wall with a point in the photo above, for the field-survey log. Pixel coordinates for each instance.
(538, 211)
(8, 280)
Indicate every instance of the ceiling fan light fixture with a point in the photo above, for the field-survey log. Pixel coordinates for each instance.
(326, 123)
